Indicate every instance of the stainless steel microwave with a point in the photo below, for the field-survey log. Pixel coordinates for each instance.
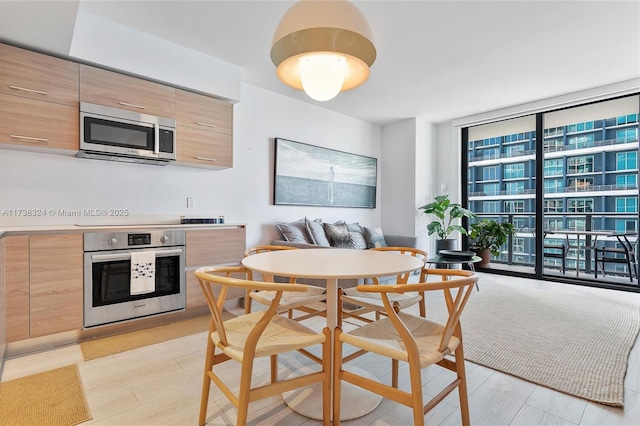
(117, 135)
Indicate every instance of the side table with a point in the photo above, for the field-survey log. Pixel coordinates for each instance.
(449, 262)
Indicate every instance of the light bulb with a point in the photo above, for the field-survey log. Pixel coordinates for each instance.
(322, 75)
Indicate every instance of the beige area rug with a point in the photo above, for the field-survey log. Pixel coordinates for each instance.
(98, 348)
(54, 398)
(574, 344)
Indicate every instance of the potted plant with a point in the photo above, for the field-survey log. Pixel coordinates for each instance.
(487, 236)
(443, 225)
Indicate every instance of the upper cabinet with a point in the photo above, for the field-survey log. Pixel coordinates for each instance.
(203, 112)
(37, 76)
(35, 124)
(98, 86)
(204, 131)
(39, 107)
(38, 101)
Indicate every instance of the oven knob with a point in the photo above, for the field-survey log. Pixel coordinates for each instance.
(113, 241)
(164, 239)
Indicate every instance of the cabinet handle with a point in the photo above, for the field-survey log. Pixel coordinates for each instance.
(132, 105)
(206, 159)
(24, 89)
(206, 124)
(30, 138)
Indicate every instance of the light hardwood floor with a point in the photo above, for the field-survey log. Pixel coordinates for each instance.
(160, 385)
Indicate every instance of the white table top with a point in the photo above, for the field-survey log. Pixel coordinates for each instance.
(332, 263)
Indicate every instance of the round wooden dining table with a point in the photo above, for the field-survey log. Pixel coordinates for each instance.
(331, 265)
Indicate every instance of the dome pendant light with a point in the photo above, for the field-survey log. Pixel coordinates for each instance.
(323, 48)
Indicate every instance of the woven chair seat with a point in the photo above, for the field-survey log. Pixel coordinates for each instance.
(373, 300)
(290, 299)
(281, 335)
(382, 338)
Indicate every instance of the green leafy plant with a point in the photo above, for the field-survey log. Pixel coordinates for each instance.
(490, 235)
(445, 212)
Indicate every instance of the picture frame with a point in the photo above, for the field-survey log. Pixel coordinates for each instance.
(309, 175)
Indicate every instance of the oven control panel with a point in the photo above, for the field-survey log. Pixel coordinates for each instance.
(139, 239)
(97, 241)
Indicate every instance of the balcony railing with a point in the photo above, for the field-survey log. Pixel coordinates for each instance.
(525, 255)
(563, 190)
(552, 148)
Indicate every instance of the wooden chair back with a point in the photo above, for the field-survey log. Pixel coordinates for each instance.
(209, 277)
(410, 251)
(265, 249)
(450, 279)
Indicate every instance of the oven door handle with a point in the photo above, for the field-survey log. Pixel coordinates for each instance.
(126, 256)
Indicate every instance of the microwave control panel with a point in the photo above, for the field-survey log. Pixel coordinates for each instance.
(166, 141)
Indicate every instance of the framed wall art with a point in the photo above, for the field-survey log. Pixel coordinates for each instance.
(308, 175)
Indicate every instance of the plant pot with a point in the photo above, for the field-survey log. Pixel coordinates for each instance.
(485, 255)
(446, 244)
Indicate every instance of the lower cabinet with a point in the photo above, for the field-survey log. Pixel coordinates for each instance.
(17, 287)
(3, 307)
(212, 247)
(55, 283)
(43, 278)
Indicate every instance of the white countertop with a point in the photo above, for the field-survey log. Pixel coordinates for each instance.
(82, 228)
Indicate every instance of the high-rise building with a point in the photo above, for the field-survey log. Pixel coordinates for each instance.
(590, 179)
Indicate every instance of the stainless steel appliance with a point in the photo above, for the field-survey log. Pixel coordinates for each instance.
(107, 275)
(118, 135)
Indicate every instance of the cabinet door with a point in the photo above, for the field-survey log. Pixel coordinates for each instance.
(215, 246)
(55, 267)
(37, 76)
(38, 124)
(3, 305)
(17, 287)
(203, 112)
(115, 90)
(211, 247)
(200, 148)
(195, 298)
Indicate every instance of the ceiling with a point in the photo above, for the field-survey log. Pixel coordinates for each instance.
(439, 60)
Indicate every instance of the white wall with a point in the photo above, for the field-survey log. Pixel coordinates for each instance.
(242, 194)
(409, 155)
(398, 183)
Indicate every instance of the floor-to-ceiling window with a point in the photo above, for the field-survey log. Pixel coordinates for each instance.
(587, 161)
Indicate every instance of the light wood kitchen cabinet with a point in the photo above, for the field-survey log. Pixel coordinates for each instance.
(39, 125)
(98, 86)
(55, 272)
(37, 76)
(200, 148)
(203, 112)
(212, 247)
(204, 135)
(3, 306)
(17, 287)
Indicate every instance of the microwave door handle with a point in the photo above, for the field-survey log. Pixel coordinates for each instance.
(156, 144)
(126, 256)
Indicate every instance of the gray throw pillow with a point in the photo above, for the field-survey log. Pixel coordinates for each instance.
(295, 232)
(355, 227)
(357, 240)
(316, 232)
(338, 235)
(375, 237)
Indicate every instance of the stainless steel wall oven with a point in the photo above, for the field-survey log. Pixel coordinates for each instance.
(109, 294)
